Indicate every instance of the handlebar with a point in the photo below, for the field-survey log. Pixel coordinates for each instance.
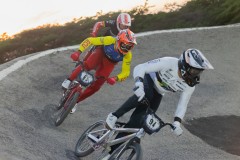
(169, 124)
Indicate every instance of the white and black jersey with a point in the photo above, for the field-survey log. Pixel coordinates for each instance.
(164, 73)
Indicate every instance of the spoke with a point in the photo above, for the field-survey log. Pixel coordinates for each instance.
(85, 145)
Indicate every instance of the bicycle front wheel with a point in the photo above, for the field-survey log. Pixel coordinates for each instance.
(70, 103)
(83, 146)
(131, 152)
(63, 99)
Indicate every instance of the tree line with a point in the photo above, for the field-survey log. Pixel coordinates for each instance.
(195, 13)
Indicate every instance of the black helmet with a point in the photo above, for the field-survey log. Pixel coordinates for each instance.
(191, 64)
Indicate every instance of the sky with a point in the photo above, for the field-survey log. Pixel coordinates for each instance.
(18, 15)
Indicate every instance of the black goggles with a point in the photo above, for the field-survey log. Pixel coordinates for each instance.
(194, 71)
(122, 26)
(126, 47)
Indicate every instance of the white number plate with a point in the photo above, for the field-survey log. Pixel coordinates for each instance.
(86, 77)
(152, 122)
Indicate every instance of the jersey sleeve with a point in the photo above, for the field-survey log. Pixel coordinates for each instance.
(96, 27)
(96, 41)
(150, 66)
(126, 67)
(183, 102)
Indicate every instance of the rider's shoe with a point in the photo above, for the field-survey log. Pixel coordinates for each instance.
(74, 109)
(106, 157)
(111, 120)
(66, 83)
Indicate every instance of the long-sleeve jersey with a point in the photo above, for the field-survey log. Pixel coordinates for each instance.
(164, 73)
(111, 53)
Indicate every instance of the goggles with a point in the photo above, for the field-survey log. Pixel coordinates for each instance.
(126, 47)
(122, 26)
(192, 76)
(194, 71)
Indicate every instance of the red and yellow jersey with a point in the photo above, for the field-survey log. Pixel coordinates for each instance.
(110, 41)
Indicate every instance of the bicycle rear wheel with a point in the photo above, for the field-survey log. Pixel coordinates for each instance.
(70, 103)
(83, 147)
(131, 152)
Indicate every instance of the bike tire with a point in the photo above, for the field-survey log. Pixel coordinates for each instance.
(63, 100)
(119, 152)
(83, 153)
(72, 100)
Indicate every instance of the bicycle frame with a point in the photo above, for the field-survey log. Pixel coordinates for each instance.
(106, 141)
(71, 95)
(81, 82)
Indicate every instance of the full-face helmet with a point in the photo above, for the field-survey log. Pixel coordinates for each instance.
(123, 21)
(191, 64)
(125, 41)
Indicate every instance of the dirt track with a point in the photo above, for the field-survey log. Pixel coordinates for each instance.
(29, 95)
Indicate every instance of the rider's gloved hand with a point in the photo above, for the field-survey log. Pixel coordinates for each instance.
(177, 130)
(139, 90)
(111, 80)
(75, 56)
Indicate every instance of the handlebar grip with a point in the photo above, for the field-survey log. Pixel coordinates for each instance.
(173, 128)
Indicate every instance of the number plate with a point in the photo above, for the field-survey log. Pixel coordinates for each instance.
(152, 123)
(85, 78)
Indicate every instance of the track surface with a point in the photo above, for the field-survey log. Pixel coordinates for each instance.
(29, 95)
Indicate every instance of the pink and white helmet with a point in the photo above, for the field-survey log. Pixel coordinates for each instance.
(123, 19)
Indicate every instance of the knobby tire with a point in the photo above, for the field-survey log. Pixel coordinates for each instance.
(63, 100)
(136, 147)
(83, 153)
(64, 112)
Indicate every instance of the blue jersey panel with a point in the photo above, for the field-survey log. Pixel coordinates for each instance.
(112, 54)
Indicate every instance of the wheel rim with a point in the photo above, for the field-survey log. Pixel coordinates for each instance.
(65, 110)
(85, 145)
(68, 101)
(128, 154)
(58, 119)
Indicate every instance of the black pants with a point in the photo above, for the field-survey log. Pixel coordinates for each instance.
(136, 119)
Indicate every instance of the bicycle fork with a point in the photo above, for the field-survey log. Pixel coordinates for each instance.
(74, 89)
